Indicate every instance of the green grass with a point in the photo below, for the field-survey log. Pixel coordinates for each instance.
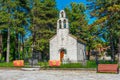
(71, 65)
(4, 64)
(10, 64)
(89, 64)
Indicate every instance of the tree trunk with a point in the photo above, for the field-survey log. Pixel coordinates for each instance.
(112, 48)
(0, 45)
(88, 56)
(16, 44)
(119, 51)
(22, 47)
(8, 46)
(119, 45)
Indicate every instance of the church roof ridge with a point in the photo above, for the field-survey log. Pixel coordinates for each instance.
(78, 39)
(52, 37)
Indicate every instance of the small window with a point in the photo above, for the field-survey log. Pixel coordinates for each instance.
(60, 25)
(64, 23)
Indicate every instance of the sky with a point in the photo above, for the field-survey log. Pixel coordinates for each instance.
(61, 4)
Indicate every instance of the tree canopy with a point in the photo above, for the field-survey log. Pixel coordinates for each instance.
(39, 18)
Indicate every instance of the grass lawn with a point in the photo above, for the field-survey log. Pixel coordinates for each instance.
(4, 64)
(89, 64)
(10, 65)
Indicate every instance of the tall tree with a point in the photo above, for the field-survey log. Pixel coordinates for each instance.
(107, 13)
(13, 22)
(6, 7)
(20, 23)
(44, 17)
(78, 21)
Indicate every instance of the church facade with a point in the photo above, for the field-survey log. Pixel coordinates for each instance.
(64, 46)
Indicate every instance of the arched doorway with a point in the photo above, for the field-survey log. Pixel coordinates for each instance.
(62, 52)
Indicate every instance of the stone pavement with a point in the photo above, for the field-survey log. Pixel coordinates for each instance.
(55, 75)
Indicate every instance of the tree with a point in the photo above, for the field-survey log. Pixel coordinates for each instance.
(13, 20)
(6, 7)
(77, 19)
(107, 13)
(20, 22)
(43, 19)
(79, 23)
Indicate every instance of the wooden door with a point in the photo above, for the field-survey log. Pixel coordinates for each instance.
(61, 55)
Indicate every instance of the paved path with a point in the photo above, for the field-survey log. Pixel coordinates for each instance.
(55, 75)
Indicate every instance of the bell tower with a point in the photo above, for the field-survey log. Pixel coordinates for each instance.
(62, 29)
(62, 22)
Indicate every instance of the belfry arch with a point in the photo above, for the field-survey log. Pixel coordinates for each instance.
(62, 22)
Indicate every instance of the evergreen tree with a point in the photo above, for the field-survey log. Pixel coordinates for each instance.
(20, 22)
(43, 19)
(6, 7)
(79, 23)
(107, 13)
(77, 19)
(13, 20)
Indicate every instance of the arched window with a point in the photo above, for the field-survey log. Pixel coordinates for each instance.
(62, 14)
(64, 23)
(60, 24)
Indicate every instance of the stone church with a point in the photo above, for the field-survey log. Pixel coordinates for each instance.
(64, 46)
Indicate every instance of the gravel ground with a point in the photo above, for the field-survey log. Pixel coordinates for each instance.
(56, 75)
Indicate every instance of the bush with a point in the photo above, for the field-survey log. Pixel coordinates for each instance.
(107, 62)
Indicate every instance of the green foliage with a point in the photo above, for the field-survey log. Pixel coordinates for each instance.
(14, 18)
(43, 23)
(42, 14)
(77, 19)
(107, 13)
(80, 28)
